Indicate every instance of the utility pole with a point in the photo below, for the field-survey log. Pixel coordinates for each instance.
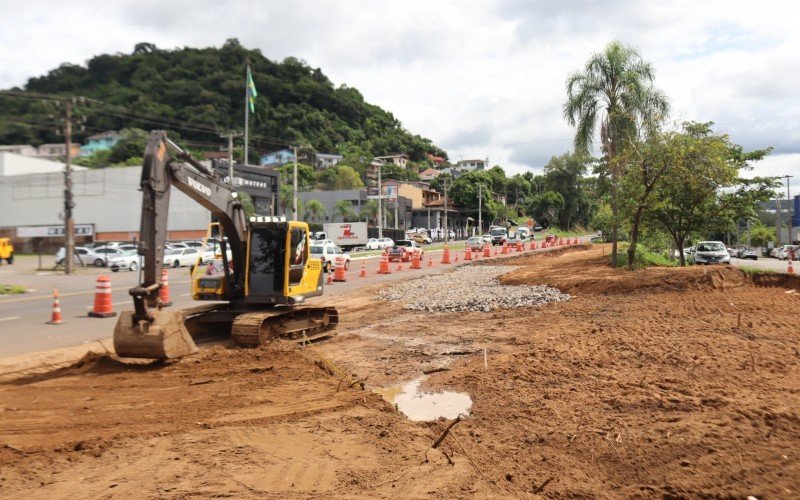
(230, 136)
(69, 223)
(380, 204)
(788, 210)
(294, 196)
(446, 232)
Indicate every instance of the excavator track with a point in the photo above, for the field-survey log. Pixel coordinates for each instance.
(300, 324)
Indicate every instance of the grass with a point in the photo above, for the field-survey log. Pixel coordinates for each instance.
(755, 270)
(12, 289)
(644, 258)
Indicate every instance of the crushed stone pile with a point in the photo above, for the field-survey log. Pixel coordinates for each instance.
(469, 288)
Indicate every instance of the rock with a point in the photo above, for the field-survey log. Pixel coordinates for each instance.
(469, 288)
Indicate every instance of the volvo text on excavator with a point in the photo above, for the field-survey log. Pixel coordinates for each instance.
(266, 273)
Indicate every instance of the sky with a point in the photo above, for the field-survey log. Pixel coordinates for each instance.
(482, 79)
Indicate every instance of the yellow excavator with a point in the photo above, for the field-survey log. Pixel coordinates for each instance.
(265, 275)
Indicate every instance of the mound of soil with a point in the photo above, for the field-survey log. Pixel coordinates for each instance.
(586, 271)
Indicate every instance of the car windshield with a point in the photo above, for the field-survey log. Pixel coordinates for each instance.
(710, 247)
(403, 243)
(473, 240)
(173, 252)
(498, 232)
(316, 250)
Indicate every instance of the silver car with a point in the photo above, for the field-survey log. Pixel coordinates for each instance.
(711, 252)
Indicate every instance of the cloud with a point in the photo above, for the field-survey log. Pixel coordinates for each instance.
(483, 78)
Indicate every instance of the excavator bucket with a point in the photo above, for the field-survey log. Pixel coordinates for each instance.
(166, 337)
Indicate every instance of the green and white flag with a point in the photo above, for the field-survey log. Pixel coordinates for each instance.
(251, 91)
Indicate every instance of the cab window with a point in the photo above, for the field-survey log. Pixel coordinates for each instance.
(298, 255)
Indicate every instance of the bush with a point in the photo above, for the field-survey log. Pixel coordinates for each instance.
(644, 257)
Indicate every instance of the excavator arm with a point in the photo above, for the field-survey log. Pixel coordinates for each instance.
(166, 165)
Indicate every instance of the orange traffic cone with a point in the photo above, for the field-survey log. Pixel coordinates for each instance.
(102, 299)
(163, 292)
(495, 251)
(467, 254)
(55, 317)
(504, 251)
(430, 261)
(339, 271)
(446, 255)
(456, 257)
(415, 263)
(487, 252)
(329, 280)
(384, 267)
(533, 245)
(400, 264)
(790, 270)
(363, 273)
(519, 246)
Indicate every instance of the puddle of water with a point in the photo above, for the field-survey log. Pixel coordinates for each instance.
(424, 406)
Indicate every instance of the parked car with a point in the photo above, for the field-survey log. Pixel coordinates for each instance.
(328, 254)
(537, 228)
(97, 257)
(404, 250)
(476, 243)
(747, 253)
(711, 252)
(487, 238)
(379, 243)
(178, 257)
(782, 252)
(128, 260)
(193, 243)
(523, 233)
(421, 238)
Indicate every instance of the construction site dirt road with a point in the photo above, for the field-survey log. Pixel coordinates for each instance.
(664, 382)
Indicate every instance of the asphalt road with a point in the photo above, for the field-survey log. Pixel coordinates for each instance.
(24, 318)
(766, 264)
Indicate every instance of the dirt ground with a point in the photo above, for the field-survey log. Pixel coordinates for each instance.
(662, 382)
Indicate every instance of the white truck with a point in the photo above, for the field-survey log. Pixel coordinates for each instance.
(347, 235)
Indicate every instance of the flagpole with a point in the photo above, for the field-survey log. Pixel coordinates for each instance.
(246, 111)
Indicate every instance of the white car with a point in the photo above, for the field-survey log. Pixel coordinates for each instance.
(711, 252)
(379, 243)
(128, 260)
(88, 256)
(178, 257)
(328, 254)
(322, 242)
(782, 252)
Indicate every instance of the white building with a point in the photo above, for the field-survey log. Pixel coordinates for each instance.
(470, 165)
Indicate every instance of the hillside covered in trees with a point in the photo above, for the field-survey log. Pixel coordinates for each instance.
(198, 93)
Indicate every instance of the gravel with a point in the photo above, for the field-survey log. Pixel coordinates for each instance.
(469, 288)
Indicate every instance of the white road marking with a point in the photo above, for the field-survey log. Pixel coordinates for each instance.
(185, 294)
(9, 318)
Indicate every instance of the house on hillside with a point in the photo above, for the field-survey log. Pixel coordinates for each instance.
(277, 158)
(325, 160)
(99, 142)
(437, 160)
(470, 165)
(19, 149)
(58, 151)
(429, 174)
(399, 159)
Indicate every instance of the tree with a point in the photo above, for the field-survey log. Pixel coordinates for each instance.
(344, 209)
(131, 144)
(702, 190)
(314, 209)
(285, 197)
(546, 207)
(340, 177)
(247, 203)
(615, 91)
(370, 210)
(306, 176)
(761, 235)
(563, 175)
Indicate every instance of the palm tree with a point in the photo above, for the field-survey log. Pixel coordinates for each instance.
(370, 210)
(285, 196)
(344, 209)
(614, 89)
(314, 210)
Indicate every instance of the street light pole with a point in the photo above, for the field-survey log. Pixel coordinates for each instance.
(446, 232)
(480, 209)
(294, 195)
(380, 204)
